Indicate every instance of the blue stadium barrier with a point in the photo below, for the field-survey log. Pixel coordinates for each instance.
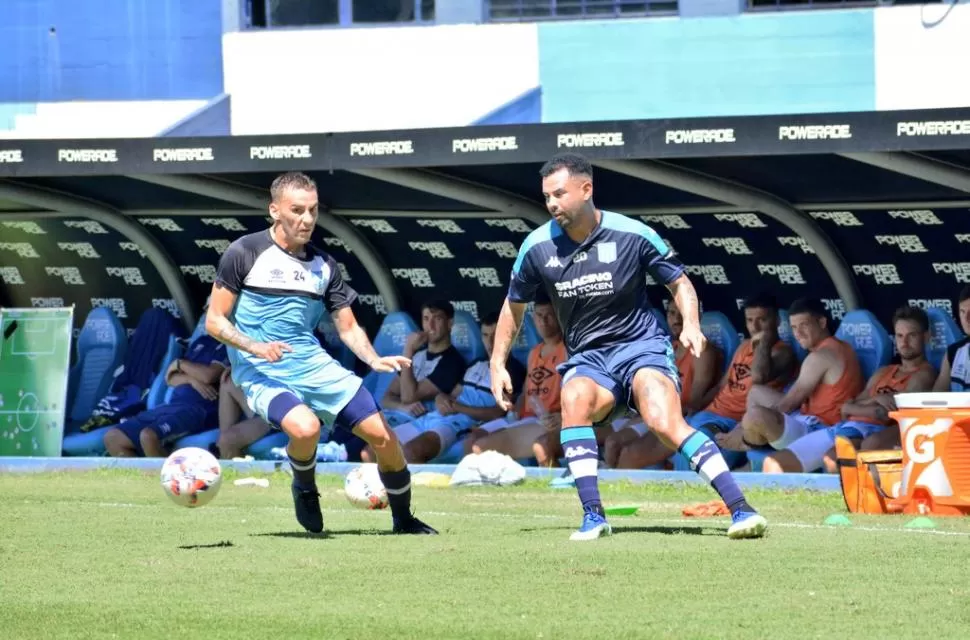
(806, 481)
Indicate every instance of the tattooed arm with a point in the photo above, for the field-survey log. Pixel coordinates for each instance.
(354, 336)
(685, 297)
(217, 323)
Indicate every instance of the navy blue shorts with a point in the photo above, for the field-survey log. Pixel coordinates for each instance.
(613, 368)
(360, 407)
(170, 422)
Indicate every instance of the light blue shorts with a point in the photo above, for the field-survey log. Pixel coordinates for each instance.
(449, 428)
(811, 448)
(326, 391)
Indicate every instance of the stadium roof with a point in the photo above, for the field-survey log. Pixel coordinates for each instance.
(778, 165)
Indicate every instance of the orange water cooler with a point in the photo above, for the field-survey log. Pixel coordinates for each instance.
(935, 434)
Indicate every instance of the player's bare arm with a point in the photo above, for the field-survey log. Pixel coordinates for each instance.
(864, 404)
(817, 364)
(217, 324)
(354, 336)
(685, 297)
(509, 322)
(943, 379)
(705, 370)
(708, 397)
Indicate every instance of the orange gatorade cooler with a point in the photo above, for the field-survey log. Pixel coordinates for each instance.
(934, 431)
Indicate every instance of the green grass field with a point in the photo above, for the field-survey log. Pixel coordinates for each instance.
(104, 554)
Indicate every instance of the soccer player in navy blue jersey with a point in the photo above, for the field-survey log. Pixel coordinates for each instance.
(593, 266)
(271, 290)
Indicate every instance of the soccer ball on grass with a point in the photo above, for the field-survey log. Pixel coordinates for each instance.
(191, 477)
(364, 489)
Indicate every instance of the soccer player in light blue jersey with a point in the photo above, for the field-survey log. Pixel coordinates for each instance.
(593, 266)
(271, 290)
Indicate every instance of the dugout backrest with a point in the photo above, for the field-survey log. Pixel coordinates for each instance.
(785, 333)
(389, 341)
(868, 338)
(101, 347)
(330, 340)
(719, 330)
(466, 336)
(944, 331)
(528, 337)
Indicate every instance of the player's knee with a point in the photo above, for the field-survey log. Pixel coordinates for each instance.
(830, 462)
(304, 428)
(115, 442)
(578, 401)
(382, 440)
(757, 418)
(771, 465)
(542, 453)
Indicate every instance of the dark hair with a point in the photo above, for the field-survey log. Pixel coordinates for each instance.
(291, 180)
(490, 320)
(443, 306)
(761, 300)
(811, 306)
(574, 163)
(964, 294)
(913, 314)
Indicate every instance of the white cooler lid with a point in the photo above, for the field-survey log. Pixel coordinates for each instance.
(933, 400)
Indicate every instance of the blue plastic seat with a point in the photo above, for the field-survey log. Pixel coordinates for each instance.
(466, 336)
(785, 333)
(868, 338)
(331, 341)
(944, 331)
(719, 330)
(101, 346)
(389, 341)
(527, 339)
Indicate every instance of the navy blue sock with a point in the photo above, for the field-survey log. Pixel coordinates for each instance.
(706, 459)
(398, 487)
(582, 455)
(304, 472)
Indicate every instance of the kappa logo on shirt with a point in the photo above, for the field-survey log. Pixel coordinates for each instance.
(553, 262)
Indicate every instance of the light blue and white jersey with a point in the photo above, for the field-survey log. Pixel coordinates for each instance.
(476, 385)
(282, 297)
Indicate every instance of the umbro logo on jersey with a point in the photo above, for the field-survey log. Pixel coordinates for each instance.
(553, 262)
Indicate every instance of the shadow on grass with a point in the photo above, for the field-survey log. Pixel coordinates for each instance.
(671, 530)
(330, 533)
(214, 545)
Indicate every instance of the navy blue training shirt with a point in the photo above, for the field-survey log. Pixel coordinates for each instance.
(597, 287)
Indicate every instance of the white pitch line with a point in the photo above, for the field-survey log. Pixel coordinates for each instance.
(539, 516)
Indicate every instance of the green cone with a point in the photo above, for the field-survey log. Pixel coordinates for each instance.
(921, 522)
(838, 520)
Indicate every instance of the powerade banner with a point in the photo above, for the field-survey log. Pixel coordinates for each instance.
(35, 356)
(76, 261)
(928, 129)
(898, 257)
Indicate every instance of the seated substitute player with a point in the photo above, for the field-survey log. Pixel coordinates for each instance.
(436, 365)
(275, 286)
(633, 447)
(829, 377)
(538, 408)
(191, 409)
(456, 413)
(593, 266)
(955, 369)
(868, 413)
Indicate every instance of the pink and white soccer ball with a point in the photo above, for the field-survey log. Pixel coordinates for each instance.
(364, 489)
(191, 477)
